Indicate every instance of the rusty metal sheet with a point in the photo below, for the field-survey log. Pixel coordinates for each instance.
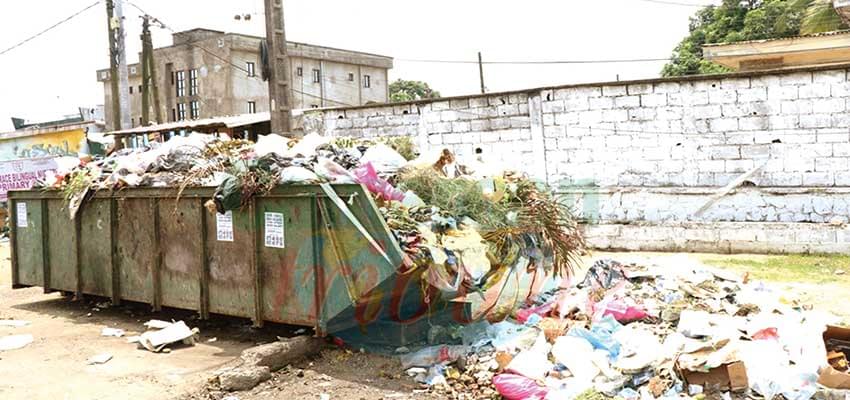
(96, 248)
(229, 266)
(353, 271)
(135, 249)
(287, 275)
(180, 244)
(30, 264)
(62, 247)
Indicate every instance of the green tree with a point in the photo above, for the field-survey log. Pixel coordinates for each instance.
(735, 21)
(402, 90)
(820, 16)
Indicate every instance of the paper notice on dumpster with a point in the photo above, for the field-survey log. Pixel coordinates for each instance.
(21, 209)
(224, 226)
(274, 230)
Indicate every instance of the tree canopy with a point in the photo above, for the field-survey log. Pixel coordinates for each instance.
(402, 90)
(736, 20)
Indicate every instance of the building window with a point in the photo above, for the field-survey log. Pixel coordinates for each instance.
(181, 83)
(181, 111)
(195, 109)
(140, 88)
(252, 69)
(299, 71)
(193, 82)
(317, 76)
(173, 114)
(131, 90)
(367, 81)
(140, 121)
(350, 77)
(252, 107)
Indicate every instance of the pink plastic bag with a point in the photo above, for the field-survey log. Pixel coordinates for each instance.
(516, 387)
(766, 334)
(623, 312)
(367, 176)
(542, 310)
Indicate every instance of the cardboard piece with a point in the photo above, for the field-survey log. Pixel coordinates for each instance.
(830, 377)
(732, 377)
(833, 379)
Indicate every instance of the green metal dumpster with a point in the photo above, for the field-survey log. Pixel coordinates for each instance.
(305, 255)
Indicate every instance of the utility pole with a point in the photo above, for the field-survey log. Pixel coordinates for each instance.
(149, 78)
(279, 85)
(481, 73)
(146, 77)
(118, 67)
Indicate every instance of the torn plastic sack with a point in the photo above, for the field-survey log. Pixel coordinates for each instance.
(333, 172)
(384, 158)
(534, 362)
(541, 310)
(267, 144)
(306, 147)
(604, 274)
(516, 387)
(623, 312)
(599, 338)
(297, 175)
(228, 195)
(368, 176)
(432, 355)
(577, 354)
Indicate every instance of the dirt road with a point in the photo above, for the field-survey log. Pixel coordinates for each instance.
(67, 333)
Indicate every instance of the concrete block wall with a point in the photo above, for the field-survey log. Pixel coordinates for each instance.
(655, 151)
(702, 133)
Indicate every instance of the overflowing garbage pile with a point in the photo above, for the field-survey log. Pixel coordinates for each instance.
(460, 222)
(635, 332)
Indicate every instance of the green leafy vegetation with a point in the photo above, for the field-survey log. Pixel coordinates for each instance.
(402, 90)
(791, 268)
(735, 21)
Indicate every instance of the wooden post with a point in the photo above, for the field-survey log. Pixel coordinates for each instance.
(279, 84)
(481, 73)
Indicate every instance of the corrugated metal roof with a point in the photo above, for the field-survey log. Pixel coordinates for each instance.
(814, 35)
(233, 121)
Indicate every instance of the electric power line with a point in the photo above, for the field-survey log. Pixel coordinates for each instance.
(677, 3)
(72, 16)
(534, 62)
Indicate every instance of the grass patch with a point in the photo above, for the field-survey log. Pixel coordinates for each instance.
(791, 268)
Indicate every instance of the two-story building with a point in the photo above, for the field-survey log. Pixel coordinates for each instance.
(207, 73)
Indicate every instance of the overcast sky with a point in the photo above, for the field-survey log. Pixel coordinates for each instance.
(54, 74)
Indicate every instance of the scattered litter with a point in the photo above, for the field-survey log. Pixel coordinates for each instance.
(13, 323)
(99, 359)
(324, 396)
(212, 340)
(156, 341)
(112, 332)
(14, 342)
(646, 333)
(157, 324)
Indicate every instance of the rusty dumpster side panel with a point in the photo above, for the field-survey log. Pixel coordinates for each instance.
(146, 245)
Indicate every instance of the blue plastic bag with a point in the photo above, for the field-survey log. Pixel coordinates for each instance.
(600, 339)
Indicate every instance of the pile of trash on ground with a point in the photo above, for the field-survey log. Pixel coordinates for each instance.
(635, 332)
(460, 223)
